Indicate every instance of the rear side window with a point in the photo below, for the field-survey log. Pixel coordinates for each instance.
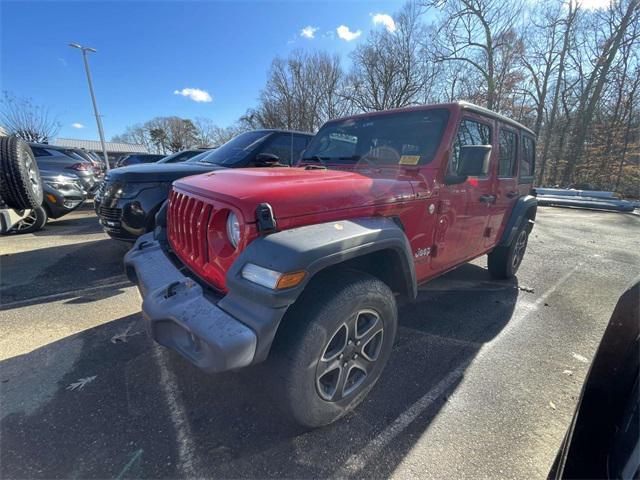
(528, 158)
(470, 132)
(300, 142)
(508, 153)
(282, 146)
(40, 152)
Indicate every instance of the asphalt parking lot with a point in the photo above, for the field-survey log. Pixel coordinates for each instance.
(482, 383)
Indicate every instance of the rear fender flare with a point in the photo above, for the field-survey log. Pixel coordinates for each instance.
(525, 207)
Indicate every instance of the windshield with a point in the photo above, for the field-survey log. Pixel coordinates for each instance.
(234, 151)
(405, 138)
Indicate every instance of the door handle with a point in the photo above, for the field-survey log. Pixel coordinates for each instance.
(512, 194)
(487, 198)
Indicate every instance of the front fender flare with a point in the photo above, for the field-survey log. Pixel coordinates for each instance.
(312, 248)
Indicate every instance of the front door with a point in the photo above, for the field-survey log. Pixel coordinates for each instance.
(464, 209)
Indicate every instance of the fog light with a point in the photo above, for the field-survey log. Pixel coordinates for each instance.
(271, 278)
(72, 203)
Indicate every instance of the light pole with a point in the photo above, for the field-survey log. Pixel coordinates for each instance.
(93, 98)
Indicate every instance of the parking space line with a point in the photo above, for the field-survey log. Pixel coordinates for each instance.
(68, 294)
(187, 461)
(359, 460)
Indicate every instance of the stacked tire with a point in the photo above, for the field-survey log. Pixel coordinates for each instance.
(20, 184)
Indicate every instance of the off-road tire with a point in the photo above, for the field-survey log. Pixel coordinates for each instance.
(504, 261)
(20, 183)
(308, 330)
(35, 221)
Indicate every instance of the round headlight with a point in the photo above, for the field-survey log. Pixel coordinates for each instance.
(233, 229)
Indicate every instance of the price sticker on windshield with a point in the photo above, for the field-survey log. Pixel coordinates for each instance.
(409, 159)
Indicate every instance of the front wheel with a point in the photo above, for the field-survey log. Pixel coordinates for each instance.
(333, 346)
(504, 261)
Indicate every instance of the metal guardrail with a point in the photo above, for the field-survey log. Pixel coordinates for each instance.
(590, 199)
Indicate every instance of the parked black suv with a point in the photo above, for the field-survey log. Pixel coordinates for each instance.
(137, 158)
(129, 198)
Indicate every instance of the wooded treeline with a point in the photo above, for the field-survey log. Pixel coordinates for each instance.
(569, 73)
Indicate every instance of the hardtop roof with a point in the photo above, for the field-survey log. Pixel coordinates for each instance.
(454, 105)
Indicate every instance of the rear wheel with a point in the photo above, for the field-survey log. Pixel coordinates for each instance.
(20, 183)
(335, 344)
(504, 261)
(33, 222)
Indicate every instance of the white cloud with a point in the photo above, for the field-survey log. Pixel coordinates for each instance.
(386, 20)
(308, 31)
(194, 94)
(77, 125)
(346, 34)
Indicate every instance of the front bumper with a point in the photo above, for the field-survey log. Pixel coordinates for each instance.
(179, 315)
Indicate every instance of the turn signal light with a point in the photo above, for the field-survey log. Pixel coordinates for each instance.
(289, 280)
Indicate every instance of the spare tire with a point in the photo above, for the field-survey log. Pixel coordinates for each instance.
(20, 183)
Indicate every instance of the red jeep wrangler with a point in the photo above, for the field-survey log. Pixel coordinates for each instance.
(302, 265)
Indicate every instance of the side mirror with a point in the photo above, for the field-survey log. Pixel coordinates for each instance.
(267, 159)
(474, 160)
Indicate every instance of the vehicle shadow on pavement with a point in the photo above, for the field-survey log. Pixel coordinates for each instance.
(79, 270)
(139, 411)
(70, 226)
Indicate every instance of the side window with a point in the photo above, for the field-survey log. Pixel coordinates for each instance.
(470, 132)
(40, 152)
(280, 146)
(299, 144)
(528, 158)
(508, 144)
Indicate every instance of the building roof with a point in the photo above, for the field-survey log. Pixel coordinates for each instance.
(94, 145)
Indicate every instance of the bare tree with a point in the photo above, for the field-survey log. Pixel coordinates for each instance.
(475, 32)
(208, 134)
(302, 92)
(137, 134)
(32, 123)
(619, 16)
(390, 69)
(162, 134)
(548, 62)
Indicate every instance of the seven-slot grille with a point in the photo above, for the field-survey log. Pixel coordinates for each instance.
(111, 214)
(187, 223)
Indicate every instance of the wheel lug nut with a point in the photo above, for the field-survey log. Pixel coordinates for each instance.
(355, 355)
(341, 356)
(358, 343)
(344, 364)
(349, 342)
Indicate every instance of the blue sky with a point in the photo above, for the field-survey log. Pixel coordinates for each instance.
(148, 50)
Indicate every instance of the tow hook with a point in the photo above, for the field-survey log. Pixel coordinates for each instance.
(174, 287)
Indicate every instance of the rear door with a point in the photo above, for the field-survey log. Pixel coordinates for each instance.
(506, 191)
(464, 208)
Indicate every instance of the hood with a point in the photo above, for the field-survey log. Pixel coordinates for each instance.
(297, 191)
(158, 172)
